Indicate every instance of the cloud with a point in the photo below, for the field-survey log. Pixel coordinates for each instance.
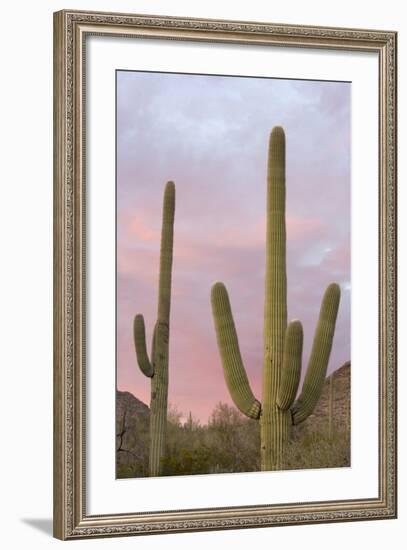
(210, 135)
(141, 231)
(303, 228)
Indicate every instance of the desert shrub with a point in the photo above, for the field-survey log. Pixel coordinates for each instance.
(315, 449)
(126, 471)
(233, 439)
(229, 442)
(188, 461)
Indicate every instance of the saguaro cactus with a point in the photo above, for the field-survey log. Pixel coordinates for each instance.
(282, 344)
(157, 367)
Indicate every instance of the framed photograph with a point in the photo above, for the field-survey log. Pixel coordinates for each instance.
(225, 274)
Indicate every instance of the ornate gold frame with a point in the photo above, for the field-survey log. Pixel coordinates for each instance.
(70, 31)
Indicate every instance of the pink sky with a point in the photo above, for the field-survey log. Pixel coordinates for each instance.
(209, 134)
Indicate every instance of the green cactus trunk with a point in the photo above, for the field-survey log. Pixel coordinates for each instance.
(274, 422)
(282, 344)
(157, 368)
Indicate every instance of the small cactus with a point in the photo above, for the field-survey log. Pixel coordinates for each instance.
(157, 367)
(282, 343)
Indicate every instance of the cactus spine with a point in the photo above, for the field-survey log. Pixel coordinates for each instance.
(157, 368)
(282, 344)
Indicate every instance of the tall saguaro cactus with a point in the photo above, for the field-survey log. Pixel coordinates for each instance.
(282, 343)
(157, 367)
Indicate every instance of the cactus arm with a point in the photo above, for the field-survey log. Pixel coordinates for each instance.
(139, 333)
(321, 349)
(166, 252)
(233, 368)
(291, 371)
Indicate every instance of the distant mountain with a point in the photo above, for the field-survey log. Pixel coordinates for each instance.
(127, 402)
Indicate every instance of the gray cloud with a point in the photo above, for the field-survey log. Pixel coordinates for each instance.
(209, 134)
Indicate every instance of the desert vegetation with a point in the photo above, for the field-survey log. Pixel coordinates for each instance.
(229, 442)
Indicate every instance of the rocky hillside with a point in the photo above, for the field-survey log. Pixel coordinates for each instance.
(132, 424)
(319, 420)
